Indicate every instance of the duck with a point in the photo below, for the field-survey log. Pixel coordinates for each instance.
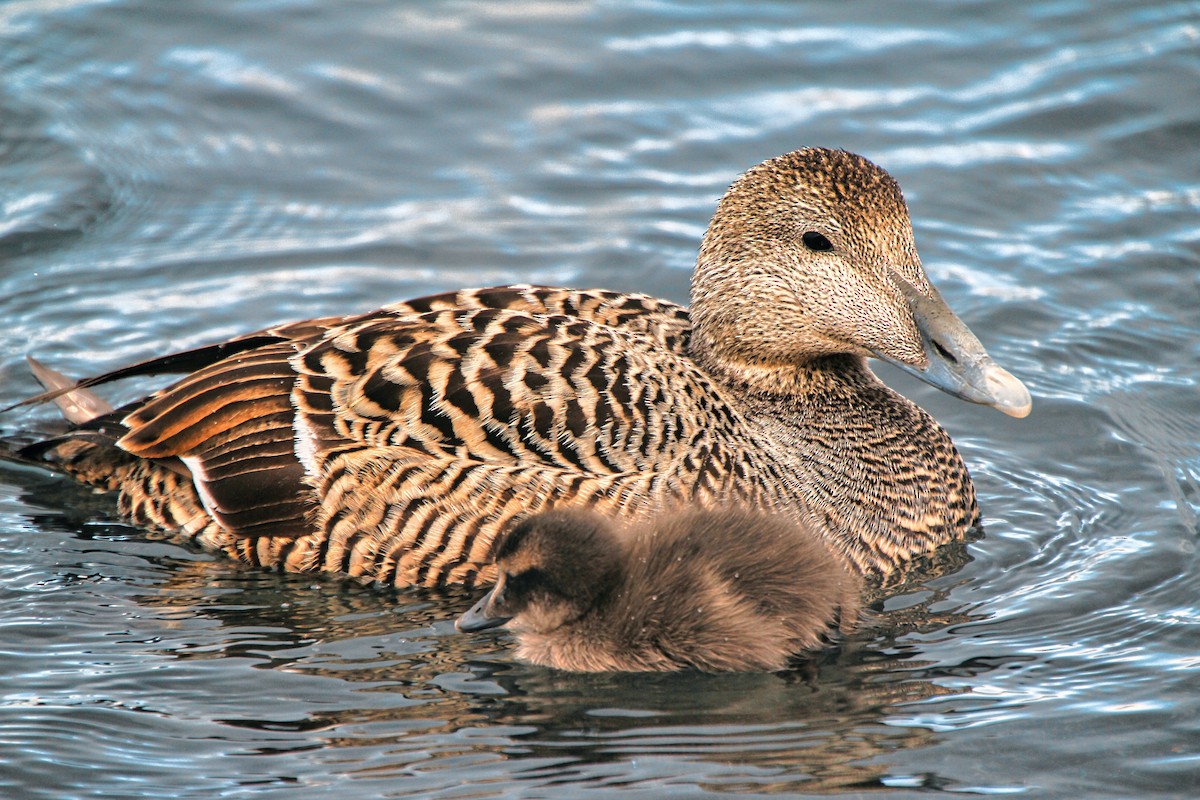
(723, 590)
(394, 446)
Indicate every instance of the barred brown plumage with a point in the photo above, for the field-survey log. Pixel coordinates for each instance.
(395, 445)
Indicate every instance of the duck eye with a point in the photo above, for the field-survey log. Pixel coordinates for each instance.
(816, 241)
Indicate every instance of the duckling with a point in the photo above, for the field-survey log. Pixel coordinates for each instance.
(395, 445)
(714, 591)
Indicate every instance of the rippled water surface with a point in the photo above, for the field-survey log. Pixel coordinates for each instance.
(175, 173)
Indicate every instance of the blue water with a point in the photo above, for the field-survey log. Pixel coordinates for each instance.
(175, 173)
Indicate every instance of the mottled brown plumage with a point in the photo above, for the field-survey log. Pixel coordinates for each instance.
(715, 591)
(396, 445)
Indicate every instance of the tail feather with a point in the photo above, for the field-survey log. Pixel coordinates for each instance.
(187, 361)
(87, 449)
(78, 405)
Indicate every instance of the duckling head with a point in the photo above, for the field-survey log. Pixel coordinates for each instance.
(552, 569)
(811, 254)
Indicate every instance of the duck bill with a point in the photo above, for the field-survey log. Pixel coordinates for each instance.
(480, 616)
(955, 361)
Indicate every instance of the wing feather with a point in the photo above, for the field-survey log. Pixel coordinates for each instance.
(381, 431)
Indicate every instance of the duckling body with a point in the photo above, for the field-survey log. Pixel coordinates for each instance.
(395, 446)
(715, 591)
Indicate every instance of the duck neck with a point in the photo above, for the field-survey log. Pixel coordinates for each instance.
(781, 386)
(863, 462)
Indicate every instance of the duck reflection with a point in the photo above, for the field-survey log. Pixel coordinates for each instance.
(401, 694)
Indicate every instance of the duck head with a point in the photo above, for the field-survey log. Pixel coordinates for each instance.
(551, 570)
(811, 254)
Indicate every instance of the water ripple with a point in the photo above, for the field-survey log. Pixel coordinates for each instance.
(851, 38)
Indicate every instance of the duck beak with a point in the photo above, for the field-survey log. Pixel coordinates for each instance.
(480, 617)
(955, 361)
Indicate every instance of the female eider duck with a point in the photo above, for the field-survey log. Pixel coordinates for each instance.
(396, 445)
(714, 591)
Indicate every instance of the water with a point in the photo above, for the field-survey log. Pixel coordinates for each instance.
(174, 173)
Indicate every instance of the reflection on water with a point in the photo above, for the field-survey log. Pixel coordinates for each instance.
(395, 693)
(173, 174)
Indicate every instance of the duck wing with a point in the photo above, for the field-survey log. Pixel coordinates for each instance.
(500, 385)
(530, 395)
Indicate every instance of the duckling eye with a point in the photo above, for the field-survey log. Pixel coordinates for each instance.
(523, 581)
(816, 241)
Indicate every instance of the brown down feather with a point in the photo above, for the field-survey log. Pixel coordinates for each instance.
(714, 591)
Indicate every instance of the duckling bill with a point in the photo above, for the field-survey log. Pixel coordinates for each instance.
(394, 446)
(713, 591)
